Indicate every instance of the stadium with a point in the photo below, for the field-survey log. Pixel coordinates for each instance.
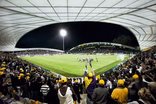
(77, 52)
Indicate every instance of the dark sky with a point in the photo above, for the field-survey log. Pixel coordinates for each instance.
(78, 33)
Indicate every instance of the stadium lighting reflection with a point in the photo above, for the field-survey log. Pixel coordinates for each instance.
(63, 34)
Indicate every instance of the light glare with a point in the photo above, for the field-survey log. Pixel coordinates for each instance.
(63, 32)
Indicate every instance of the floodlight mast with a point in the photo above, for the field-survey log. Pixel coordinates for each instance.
(63, 34)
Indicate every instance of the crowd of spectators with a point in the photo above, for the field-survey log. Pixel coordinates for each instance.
(133, 82)
(33, 52)
(102, 48)
(24, 82)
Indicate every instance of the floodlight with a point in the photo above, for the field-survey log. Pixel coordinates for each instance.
(63, 32)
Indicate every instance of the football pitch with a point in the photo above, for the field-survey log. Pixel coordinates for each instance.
(70, 65)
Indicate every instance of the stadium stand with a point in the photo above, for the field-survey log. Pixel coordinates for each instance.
(34, 51)
(102, 47)
(22, 82)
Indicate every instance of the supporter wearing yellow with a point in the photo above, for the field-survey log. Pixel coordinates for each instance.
(88, 80)
(120, 94)
(2, 69)
(3, 64)
(135, 76)
(1, 73)
(90, 84)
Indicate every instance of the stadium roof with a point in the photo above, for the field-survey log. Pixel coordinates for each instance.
(44, 49)
(18, 17)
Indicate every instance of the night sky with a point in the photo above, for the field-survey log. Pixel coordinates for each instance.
(78, 33)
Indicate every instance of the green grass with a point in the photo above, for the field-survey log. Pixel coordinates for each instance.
(68, 64)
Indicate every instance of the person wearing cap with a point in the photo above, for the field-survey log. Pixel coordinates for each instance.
(76, 88)
(120, 94)
(65, 92)
(134, 87)
(1, 73)
(2, 69)
(90, 85)
(3, 64)
(135, 76)
(100, 94)
(21, 70)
